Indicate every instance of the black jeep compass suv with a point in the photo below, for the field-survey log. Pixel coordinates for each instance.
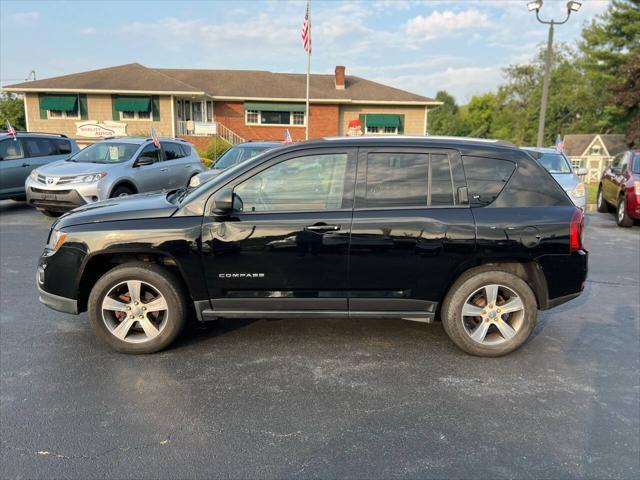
(473, 232)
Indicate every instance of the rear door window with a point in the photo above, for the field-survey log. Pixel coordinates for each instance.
(408, 180)
(172, 151)
(40, 147)
(63, 146)
(486, 177)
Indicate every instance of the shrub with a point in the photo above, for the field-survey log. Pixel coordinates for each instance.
(216, 147)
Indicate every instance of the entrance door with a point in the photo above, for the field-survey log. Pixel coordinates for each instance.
(284, 248)
(409, 230)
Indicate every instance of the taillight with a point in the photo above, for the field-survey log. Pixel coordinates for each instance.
(576, 229)
(202, 160)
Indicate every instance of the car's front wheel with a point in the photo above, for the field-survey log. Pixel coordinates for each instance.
(602, 204)
(489, 312)
(137, 308)
(622, 216)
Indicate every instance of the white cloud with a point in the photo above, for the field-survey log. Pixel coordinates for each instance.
(462, 82)
(23, 18)
(442, 24)
(89, 31)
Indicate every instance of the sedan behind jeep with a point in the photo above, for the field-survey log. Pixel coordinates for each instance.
(475, 233)
(111, 168)
(619, 188)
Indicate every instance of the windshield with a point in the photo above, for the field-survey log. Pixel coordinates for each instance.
(635, 168)
(106, 152)
(236, 155)
(554, 163)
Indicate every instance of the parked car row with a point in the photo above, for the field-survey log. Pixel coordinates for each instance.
(55, 177)
(619, 188)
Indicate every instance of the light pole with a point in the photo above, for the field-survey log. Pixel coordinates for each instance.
(572, 6)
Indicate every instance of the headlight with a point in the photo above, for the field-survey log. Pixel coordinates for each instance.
(92, 178)
(195, 181)
(56, 239)
(579, 190)
(34, 174)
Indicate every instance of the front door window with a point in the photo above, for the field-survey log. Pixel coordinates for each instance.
(197, 111)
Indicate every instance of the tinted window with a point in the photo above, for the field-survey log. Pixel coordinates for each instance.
(397, 179)
(150, 151)
(402, 180)
(40, 147)
(63, 146)
(486, 178)
(313, 182)
(186, 150)
(11, 150)
(441, 184)
(172, 151)
(236, 155)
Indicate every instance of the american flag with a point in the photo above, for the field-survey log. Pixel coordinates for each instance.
(306, 32)
(11, 130)
(559, 143)
(154, 137)
(287, 137)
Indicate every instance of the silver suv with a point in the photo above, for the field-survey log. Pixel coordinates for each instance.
(112, 168)
(19, 155)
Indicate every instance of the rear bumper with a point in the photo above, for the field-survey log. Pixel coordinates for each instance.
(565, 275)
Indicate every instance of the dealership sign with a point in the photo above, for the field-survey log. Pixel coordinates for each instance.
(92, 129)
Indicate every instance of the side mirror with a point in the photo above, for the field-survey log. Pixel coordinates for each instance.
(222, 202)
(582, 171)
(144, 161)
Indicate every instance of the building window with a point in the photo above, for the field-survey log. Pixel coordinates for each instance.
(71, 114)
(126, 115)
(253, 116)
(267, 117)
(382, 130)
(372, 130)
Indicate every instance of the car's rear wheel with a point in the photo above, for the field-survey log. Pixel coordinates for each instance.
(137, 308)
(489, 312)
(622, 216)
(50, 213)
(121, 192)
(601, 203)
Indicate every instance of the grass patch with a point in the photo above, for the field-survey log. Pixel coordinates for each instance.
(592, 192)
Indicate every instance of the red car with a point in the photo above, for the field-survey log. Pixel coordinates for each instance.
(620, 187)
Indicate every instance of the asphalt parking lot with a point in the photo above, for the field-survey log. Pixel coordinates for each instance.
(323, 398)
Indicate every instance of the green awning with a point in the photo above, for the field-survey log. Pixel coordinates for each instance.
(133, 104)
(383, 120)
(66, 103)
(275, 107)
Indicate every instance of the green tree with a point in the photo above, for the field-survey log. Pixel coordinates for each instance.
(12, 110)
(445, 120)
(480, 114)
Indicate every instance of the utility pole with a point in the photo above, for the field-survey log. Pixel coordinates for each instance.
(572, 6)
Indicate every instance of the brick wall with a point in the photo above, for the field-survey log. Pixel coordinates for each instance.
(99, 110)
(323, 122)
(413, 116)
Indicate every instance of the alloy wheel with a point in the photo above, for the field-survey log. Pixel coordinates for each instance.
(493, 314)
(135, 311)
(621, 210)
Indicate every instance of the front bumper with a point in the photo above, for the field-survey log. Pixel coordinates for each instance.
(55, 302)
(59, 198)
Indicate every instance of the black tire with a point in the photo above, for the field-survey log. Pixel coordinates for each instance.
(468, 283)
(601, 203)
(622, 215)
(164, 281)
(121, 191)
(49, 213)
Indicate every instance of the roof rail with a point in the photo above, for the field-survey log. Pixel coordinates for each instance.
(424, 137)
(19, 132)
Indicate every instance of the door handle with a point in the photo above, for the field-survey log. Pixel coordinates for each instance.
(165, 169)
(323, 228)
(25, 164)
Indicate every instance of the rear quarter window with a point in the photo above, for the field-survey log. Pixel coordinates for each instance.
(486, 177)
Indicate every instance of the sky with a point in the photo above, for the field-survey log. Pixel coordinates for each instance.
(419, 46)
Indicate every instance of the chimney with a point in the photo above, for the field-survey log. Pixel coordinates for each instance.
(340, 81)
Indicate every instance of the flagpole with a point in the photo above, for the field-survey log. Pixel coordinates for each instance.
(306, 132)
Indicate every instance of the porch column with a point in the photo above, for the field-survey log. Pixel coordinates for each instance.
(173, 118)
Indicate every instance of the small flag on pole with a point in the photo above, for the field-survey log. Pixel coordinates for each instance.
(154, 138)
(559, 143)
(306, 32)
(11, 130)
(287, 137)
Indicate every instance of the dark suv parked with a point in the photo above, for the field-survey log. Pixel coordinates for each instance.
(473, 232)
